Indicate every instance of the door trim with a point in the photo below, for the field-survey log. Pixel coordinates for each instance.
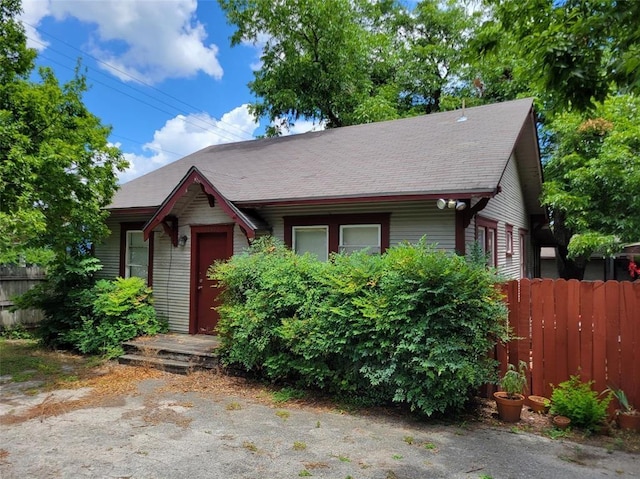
(193, 287)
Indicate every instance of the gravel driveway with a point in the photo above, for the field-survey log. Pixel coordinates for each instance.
(162, 428)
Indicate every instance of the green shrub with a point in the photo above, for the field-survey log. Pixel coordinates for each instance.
(62, 298)
(121, 309)
(89, 316)
(577, 401)
(413, 325)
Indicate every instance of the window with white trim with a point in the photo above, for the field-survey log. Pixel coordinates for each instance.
(486, 236)
(311, 239)
(359, 237)
(136, 255)
(326, 234)
(509, 240)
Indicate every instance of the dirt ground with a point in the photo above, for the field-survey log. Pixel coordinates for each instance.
(120, 421)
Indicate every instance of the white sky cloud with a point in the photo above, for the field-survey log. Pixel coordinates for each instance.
(183, 135)
(148, 39)
(304, 126)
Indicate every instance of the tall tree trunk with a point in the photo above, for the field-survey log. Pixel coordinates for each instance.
(568, 268)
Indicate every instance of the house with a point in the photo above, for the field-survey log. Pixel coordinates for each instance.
(455, 177)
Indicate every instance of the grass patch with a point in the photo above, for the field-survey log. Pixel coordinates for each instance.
(286, 394)
(25, 360)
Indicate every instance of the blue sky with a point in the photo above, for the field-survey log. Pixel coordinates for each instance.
(162, 72)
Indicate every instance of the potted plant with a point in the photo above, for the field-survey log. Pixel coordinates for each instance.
(510, 399)
(539, 404)
(627, 416)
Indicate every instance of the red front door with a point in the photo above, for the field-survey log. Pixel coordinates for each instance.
(210, 243)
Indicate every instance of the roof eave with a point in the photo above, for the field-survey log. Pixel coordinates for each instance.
(194, 176)
(398, 197)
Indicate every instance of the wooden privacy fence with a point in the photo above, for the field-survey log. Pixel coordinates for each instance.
(16, 280)
(591, 328)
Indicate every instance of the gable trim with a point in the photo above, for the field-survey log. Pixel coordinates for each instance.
(194, 176)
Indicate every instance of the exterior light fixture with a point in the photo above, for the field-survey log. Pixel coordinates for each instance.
(182, 240)
(451, 204)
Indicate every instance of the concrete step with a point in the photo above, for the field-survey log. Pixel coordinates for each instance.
(169, 365)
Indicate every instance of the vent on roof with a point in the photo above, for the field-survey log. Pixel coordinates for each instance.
(462, 117)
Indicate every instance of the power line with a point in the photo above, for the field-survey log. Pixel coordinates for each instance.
(138, 80)
(219, 133)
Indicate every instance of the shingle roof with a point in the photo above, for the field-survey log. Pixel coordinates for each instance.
(424, 155)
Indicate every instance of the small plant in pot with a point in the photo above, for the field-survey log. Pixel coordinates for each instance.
(627, 416)
(510, 399)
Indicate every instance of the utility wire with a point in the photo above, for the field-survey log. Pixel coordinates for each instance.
(138, 80)
(146, 103)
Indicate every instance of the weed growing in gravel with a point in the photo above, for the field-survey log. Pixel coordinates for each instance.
(304, 473)
(250, 446)
(408, 440)
(234, 406)
(282, 414)
(299, 446)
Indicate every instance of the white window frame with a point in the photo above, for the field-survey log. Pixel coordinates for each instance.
(295, 229)
(127, 264)
(378, 226)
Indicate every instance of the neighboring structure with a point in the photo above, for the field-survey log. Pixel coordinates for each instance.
(372, 185)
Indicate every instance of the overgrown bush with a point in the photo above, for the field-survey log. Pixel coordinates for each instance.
(577, 401)
(121, 309)
(62, 298)
(413, 325)
(89, 316)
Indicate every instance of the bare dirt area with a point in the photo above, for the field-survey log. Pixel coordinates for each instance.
(126, 422)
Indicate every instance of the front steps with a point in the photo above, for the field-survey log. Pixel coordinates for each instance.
(175, 353)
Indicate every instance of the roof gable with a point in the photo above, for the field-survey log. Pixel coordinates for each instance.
(194, 176)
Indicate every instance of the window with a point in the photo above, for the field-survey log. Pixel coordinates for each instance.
(311, 239)
(486, 236)
(136, 254)
(523, 253)
(327, 234)
(358, 237)
(509, 240)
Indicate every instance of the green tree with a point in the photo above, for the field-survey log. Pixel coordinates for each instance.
(572, 52)
(592, 181)
(432, 40)
(57, 169)
(348, 62)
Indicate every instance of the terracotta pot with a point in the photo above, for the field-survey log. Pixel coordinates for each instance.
(561, 422)
(539, 404)
(508, 409)
(629, 421)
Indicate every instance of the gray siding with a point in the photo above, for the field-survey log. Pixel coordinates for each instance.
(408, 222)
(507, 207)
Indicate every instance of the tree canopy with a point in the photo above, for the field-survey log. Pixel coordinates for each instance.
(57, 169)
(592, 183)
(345, 62)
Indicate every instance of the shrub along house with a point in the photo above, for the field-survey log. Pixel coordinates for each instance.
(455, 177)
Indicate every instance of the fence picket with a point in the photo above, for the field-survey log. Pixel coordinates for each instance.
(570, 327)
